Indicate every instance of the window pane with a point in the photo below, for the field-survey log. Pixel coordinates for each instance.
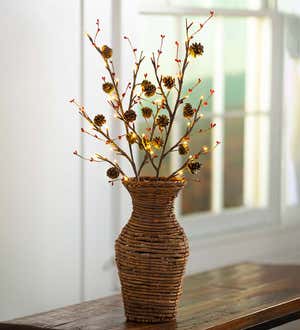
(246, 67)
(233, 162)
(235, 63)
(246, 157)
(197, 195)
(256, 160)
(151, 28)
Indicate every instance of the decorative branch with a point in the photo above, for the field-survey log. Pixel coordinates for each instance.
(155, 143)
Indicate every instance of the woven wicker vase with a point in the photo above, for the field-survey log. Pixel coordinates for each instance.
(151, 252)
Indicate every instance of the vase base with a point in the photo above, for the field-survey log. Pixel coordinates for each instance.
(150, 320)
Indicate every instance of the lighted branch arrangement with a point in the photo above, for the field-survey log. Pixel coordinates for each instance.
(152, 101)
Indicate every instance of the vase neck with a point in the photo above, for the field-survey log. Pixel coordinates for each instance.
(153, 199)
(152, 206)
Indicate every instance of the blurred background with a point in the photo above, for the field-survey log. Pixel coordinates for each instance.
(60, 217)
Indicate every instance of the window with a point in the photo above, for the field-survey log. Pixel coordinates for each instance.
(240, 182)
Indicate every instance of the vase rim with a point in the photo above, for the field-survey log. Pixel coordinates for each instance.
(153, 181)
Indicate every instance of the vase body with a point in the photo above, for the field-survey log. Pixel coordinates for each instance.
(151, 252)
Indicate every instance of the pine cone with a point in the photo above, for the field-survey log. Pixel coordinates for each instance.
(188, 110)
(194, 167)
(162, 121)
(144, 83)
(113, 172)
(149, 90)
(196, 49)
(130, 115)
(108, 87)
(106, 52)
(146, 112)
(131, 137)
(169, 82)
(157, 142)
(99, 120)
(183, 148)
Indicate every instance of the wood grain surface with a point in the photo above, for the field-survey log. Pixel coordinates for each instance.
(243, 296)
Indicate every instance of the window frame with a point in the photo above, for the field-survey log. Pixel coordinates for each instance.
(236, 219)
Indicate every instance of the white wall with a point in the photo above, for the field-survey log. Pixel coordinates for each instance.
(40, 192)
(56, 229)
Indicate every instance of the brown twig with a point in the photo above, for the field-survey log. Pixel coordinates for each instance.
(191, 158)
(177, 103)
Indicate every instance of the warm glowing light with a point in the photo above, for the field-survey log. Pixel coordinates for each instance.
(125, 178)
(204, 149)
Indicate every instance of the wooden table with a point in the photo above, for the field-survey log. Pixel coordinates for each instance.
(244, 296)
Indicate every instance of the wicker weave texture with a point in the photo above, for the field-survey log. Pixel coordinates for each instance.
(151, 252)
